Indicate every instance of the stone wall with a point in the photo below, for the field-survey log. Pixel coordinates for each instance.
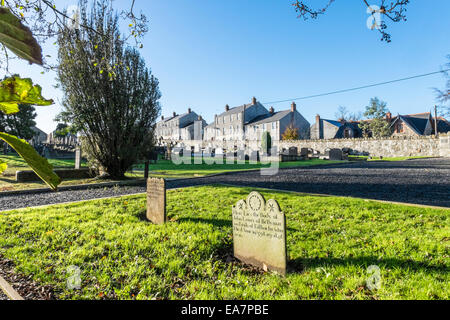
(444, 145)
(388, 147)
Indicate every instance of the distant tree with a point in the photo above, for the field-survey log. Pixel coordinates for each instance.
(291, 133)
(63, 130)
(115, 104)
(342, 113)
(21, 123)
(443, 95)
(394, 11)
(376, 125)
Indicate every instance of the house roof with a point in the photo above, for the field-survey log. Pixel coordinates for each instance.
(239, 109)
(269, 118)
(333, 122)
(354, 125)
(443, 125)
(417, 122)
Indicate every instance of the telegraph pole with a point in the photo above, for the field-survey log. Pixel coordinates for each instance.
(436, 133)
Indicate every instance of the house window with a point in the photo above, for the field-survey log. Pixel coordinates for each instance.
(347, 133)
(274, 125)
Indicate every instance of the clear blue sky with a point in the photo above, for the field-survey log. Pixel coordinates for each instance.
(207, 54)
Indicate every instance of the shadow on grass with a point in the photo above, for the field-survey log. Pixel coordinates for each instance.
(387, 263)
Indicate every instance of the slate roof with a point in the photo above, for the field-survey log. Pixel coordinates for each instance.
(269, 118)
(443, 125)
(417, 122)
(239, 109)
(354, 125)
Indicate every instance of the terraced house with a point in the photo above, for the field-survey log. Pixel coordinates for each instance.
(245, 124)
(180, 127)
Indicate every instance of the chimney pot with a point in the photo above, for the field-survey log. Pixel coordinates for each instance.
(389, 116)
(293, 107)
(254, 101)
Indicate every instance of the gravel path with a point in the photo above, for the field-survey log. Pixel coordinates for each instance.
(425, 181)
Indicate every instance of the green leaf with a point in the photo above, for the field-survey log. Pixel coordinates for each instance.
(39, 165)
(3, 166)
(18, 38)
(15, 91)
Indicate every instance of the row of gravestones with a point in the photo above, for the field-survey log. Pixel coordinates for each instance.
(330, 154)
(259, 227)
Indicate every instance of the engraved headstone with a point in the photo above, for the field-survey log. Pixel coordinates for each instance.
(259, 233)
(156, 200)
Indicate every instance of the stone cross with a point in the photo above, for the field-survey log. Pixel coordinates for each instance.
(156, 200)
(259, 233)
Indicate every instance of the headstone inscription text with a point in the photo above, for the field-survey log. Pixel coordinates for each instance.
(156, 200)
(259, 233)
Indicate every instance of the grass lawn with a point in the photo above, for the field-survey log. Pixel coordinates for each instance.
(168, 169)
(332, 241)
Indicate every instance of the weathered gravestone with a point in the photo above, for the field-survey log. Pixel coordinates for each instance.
(335, 154)
(156, 200)
(259, 233)
(293, 151)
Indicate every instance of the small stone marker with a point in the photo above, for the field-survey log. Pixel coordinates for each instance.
(156, 200)
(259, 233)
(78, 158)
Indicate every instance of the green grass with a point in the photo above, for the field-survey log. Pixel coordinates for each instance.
(334, 240)
(168, 169)
(16, 162)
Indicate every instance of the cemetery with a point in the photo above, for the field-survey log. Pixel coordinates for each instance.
(121, 202)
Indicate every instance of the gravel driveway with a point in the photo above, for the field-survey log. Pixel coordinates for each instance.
(425, 181)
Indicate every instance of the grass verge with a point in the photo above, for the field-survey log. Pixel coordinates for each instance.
(331, 241)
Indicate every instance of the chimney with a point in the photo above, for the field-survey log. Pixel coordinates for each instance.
(200, 118)
(174, 114)
(293, 107)
(227, 108)
(189, 110)
(254, 101)
(162, 118)
(317, 118)
(271, 110)
(389, 117)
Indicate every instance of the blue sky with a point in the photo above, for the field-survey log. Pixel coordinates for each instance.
(207, 54)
